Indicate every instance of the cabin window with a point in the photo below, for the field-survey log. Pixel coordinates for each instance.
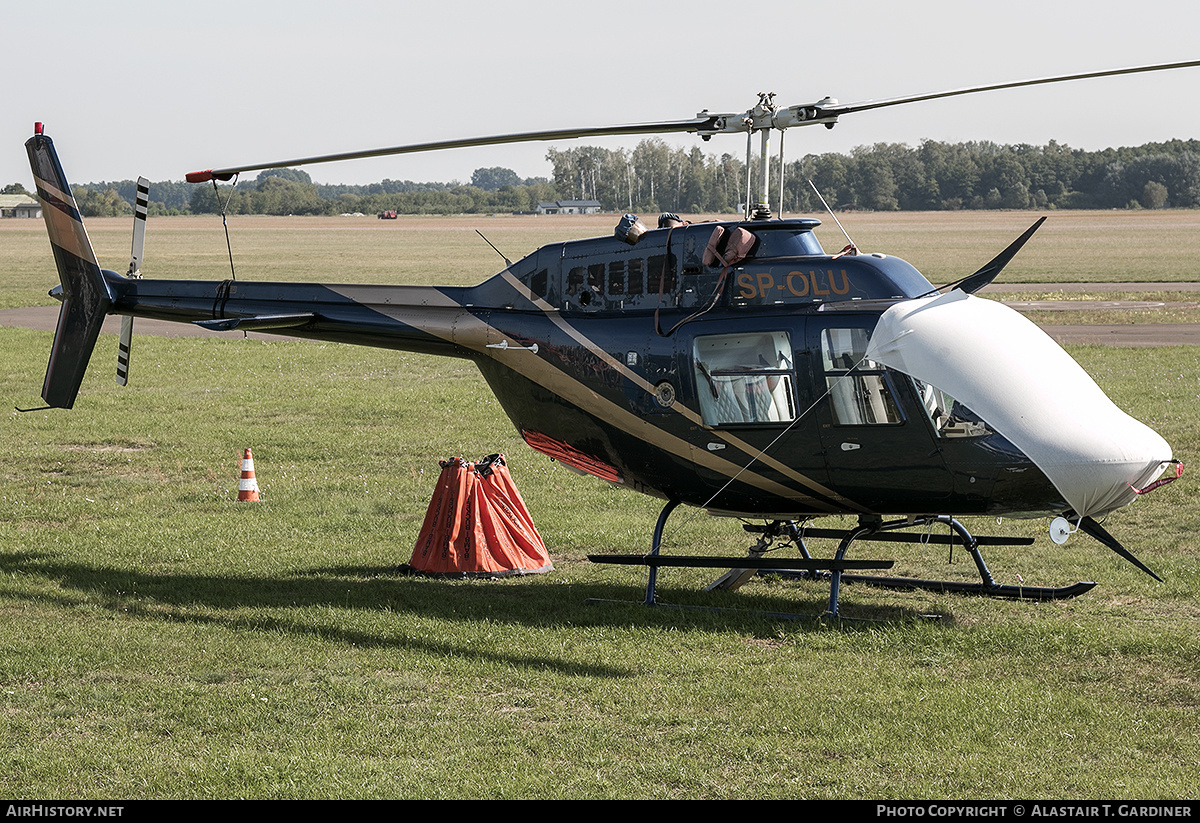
(637, 276)
(744, 378)
(586, 285)
(949, 417)
(616, 277)
(537, 283)
(575, 279)
(862, 397)
(660, 275)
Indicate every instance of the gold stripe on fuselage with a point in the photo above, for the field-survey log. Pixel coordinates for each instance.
(464, 329)
(689, 414)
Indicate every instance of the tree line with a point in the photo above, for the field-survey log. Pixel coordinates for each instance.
(654, 177)
(889, 176)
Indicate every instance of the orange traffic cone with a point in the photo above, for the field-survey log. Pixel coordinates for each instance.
(248, 487)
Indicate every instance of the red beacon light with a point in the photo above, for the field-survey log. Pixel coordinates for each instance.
(37, 128)
(206, 175)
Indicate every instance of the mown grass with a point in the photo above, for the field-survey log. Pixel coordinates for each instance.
(1083, 247)
(1077, 307)
(417, 250)
(1070, 247)
(159, 639)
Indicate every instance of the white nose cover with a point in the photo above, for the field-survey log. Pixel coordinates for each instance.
(1009, 372)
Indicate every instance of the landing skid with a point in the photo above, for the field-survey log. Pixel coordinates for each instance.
(834, 570)
(987, 587)
(952, 586)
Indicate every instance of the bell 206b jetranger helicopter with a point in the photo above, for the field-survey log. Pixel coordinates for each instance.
(733, 366)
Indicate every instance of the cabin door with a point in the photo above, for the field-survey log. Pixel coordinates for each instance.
(880, 448)
(750, 385)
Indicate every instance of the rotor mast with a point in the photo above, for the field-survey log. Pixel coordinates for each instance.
(762, 211)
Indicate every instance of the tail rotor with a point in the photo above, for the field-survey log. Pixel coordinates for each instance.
(135, 271)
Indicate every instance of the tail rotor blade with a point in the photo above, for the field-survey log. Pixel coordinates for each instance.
(123, 350)
(140, 210)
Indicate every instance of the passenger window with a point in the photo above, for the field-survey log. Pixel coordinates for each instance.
(863, 397)
(575, 280)
(596, 277)
(744, 378)
(660, 275)
(636, 276)
(616, 278)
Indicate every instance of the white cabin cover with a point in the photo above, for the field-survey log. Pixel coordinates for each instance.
(1013, 375)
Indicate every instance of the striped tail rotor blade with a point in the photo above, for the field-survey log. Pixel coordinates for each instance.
(123, 350)
(140, 209)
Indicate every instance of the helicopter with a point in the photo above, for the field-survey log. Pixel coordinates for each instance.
(733, 366)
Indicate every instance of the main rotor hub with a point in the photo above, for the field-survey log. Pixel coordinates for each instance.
(766, 115)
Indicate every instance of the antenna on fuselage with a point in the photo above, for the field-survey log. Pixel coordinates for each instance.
(507, 262)
(850, 248)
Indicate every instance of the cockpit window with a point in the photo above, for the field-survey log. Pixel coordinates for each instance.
(861, 397)
(949, 417)
(844, 348)
(786, 243)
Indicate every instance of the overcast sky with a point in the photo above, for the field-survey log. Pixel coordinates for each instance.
(142, 87)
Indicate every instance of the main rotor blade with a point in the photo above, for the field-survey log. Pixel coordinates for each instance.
(1097, 531)
(670, 127)
(761, 117)
(917, 98)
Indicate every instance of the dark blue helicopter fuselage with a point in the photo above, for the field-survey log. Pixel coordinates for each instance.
(749, 407)
(740, 388)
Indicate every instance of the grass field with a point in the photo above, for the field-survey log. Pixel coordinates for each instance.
(1087, 247)
(158, 639)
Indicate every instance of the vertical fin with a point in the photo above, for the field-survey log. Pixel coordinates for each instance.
(86, 299)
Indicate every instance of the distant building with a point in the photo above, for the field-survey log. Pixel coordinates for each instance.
(569, 207)
(19, 205)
